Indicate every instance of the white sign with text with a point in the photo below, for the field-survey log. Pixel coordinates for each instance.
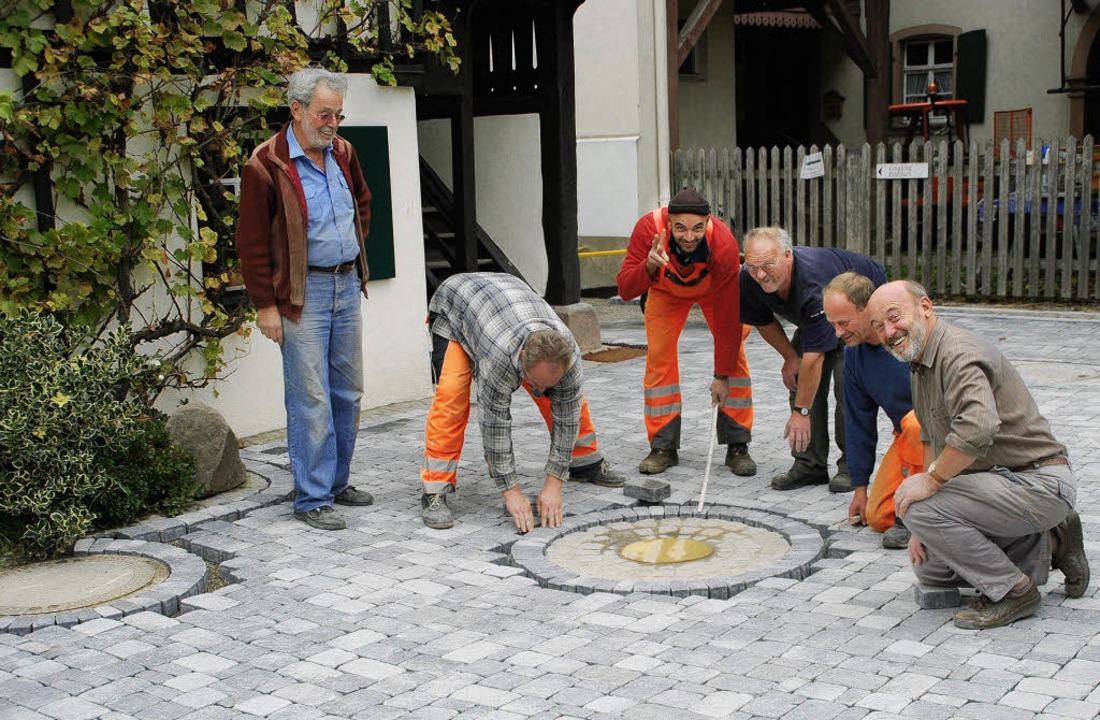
(901, 171)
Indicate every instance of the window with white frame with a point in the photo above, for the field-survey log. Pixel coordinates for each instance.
(927, 60)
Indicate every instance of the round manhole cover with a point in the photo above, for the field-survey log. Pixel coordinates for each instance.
(670, 550)
(73, 583)
(1055, 373)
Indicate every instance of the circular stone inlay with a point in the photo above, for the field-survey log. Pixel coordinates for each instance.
(78, 582)
(665, 551)
(736, 548)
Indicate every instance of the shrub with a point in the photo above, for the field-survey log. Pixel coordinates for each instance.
(149, 475)
(69, 434)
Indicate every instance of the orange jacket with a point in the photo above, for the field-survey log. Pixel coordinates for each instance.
(718, 279)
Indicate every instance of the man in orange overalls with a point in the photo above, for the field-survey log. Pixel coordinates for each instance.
(683, 256)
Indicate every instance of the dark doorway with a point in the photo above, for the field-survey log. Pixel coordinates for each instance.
(1092, 98)
(777, 86)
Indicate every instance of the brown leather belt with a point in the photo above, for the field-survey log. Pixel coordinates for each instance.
(1052, 460)
(333, 269)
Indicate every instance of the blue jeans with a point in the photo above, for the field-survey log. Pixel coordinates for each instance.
(323, 379)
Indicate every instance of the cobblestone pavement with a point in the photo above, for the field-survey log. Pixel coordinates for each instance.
(388, 619)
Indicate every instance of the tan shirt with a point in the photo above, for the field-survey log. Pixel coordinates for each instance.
(967, 395)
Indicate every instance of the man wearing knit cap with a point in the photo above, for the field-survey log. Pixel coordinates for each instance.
(683, 256)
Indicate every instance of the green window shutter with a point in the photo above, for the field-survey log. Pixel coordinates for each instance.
(372, 145)
(970, 57)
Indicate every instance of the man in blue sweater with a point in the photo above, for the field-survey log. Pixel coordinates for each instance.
(873, 379)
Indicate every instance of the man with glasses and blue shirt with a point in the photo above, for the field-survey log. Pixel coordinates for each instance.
(781, 281)
(301, 232)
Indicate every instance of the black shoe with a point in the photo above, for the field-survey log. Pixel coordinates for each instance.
(739, 461)
(985, 613)
(599, 473)
(841, 482)
(1069, 555)
(792, 479)
(351, 496)
(324, 517)
(659, 460)
(896, 536)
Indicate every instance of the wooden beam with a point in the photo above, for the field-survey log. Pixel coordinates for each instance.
(672, 72)
(837, 19)
(877, 89)
(696, 24)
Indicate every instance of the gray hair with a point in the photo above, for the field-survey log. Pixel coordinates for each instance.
(915, 289)
(778, 234)
(302, 84)
(547, 345)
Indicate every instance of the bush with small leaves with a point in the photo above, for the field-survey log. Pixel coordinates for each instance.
(70, 430)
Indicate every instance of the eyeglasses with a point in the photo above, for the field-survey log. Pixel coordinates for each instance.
(766, 267)
(326, 117)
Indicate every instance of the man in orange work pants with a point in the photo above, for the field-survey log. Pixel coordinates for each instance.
(494, 330)
(873, 379)
(682, 256)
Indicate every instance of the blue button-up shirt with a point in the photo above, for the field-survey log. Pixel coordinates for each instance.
(329, 205)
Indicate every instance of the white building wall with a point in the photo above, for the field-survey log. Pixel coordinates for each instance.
(394, 338)
(1021, 65)
(708, 116)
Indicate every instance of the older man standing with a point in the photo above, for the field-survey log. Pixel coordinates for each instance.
(304, 218)
(493, 329)
(873, 379)
(682, 256)
(994, 509)
(778, 281)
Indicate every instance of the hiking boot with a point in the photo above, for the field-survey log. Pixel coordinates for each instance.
(793, 479)
(1069, 554)
(324, 517)
(841, 482)
(897, 536)
(985, 613)
(599, 473)
(351, 496)
(739, 460)
(659, 460)
(434, 511)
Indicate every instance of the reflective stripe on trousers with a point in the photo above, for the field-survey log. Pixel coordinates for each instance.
(665, 316)
(445, 429)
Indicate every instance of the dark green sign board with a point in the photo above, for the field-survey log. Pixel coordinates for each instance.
(372, 144)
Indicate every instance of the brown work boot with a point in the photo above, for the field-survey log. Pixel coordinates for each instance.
(739, 460)
(1069, 554)
(659, 460)
(984, 613)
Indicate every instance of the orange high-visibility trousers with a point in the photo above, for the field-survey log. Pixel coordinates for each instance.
(445, 430)
(904, 457)
(665, 316)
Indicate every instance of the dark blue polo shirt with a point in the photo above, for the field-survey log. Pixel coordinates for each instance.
(873, 379)
(813, 268)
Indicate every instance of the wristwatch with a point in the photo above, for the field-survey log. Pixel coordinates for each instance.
(802, 410)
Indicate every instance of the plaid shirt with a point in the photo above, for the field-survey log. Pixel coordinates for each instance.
(491, 315)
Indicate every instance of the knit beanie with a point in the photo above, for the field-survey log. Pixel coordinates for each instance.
(690, 202)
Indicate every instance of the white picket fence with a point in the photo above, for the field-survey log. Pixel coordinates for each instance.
(986, 223)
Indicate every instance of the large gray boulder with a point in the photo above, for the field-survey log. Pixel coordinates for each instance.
(201, 430)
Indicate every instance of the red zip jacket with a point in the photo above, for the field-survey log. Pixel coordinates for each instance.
(272, 223)
(719, 278)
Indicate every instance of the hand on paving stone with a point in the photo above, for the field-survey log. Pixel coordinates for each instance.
(858, 506)
(917, 555)
(519, 507)
(550, 508)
